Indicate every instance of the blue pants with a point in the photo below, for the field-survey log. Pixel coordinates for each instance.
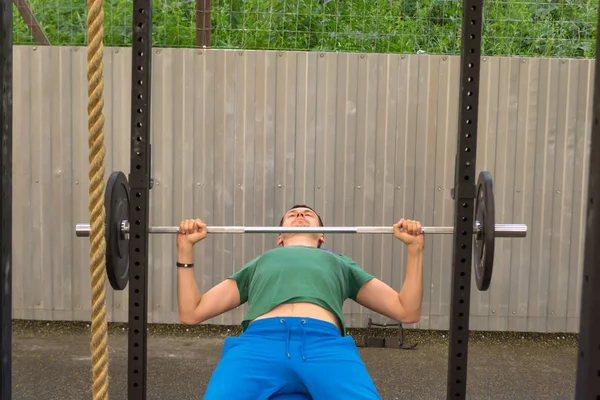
(291, 358)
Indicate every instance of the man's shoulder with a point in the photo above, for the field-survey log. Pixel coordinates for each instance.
(345, 259)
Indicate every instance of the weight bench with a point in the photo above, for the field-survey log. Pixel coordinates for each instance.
(388, 341)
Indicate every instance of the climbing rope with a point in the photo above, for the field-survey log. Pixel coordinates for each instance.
(99, 343)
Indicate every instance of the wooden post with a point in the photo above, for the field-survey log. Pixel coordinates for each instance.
(34, 27)
(203, 23)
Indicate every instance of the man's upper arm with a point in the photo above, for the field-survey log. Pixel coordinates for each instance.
(374, 294)
(356, 277)
(379, 297)
(227, 295)
(219, 299)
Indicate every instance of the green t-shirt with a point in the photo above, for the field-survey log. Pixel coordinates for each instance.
(295, 274)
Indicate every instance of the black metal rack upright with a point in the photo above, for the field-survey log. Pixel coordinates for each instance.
(140, 185)
(588, 357)
(6, 110)
(464, 194)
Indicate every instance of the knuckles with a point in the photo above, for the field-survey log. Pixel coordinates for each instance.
(408, 226)
(192, 226)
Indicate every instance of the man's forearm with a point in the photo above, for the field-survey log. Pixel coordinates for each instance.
(411, 294)
(188, 294)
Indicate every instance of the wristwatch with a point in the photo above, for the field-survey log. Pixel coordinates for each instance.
(181, 265)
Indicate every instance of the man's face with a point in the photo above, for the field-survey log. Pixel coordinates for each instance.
(301, 217)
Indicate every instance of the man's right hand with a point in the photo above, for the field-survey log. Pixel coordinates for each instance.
(191, 231)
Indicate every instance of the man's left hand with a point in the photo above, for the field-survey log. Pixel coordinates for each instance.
(409, 232)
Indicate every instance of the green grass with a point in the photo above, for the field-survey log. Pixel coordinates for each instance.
(564, 28)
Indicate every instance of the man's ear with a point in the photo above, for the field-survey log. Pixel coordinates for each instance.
(322, 238)
(279, 240)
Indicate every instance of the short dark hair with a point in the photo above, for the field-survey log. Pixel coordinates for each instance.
(302, 206)
(310, 208)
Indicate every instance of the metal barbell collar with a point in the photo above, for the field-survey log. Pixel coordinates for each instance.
(501, 231)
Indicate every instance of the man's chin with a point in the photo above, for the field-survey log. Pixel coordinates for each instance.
(300, 223)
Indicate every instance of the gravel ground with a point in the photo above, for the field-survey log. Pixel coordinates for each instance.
(52, 361)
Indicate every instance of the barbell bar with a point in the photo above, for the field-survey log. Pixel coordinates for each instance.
(117, 204)
(502, 230)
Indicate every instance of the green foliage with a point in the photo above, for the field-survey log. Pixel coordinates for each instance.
(550, 28)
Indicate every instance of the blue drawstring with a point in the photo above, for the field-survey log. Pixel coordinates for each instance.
(289, 338)
(303, 339)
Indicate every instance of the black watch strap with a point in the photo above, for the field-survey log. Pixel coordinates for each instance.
(181, 265)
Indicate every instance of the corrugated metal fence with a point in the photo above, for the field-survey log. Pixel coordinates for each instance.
(239, 136)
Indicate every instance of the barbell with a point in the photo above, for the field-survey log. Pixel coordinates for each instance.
(501, 230)
(116, 203)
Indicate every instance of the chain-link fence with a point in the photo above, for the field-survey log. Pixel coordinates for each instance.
(562, 28)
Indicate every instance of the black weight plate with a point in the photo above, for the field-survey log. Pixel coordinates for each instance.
(116, 203)
(485, 212)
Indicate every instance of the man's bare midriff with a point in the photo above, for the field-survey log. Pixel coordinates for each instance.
(306, 310)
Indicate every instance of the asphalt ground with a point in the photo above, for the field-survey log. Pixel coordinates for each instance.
(52, 361)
